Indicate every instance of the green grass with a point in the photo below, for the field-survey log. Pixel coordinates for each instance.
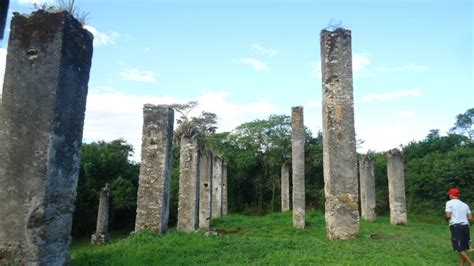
(271, 239)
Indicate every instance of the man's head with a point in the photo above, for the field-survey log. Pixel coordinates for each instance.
(454, 193)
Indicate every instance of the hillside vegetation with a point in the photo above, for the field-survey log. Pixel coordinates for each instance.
(271, 239)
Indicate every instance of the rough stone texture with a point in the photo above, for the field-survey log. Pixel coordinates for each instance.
(297, 154)
(155, 171)
(217, 173)
(339, 145)
(205, 193)
(224, 190)
(101, 235)
(43, 106)
(3, 16)
(396, 188)
(367, 187)
(188, 204)
(285, 188)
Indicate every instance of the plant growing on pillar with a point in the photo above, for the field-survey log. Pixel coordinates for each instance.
(204, 124)
(63, 5)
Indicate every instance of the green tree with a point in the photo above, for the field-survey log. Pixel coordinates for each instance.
(255, 152)
(106, 162)
(465, 124)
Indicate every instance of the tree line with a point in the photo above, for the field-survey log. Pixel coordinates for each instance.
(254, 153)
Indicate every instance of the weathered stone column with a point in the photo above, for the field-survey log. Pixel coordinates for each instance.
(43, 106)
(339, 145)
(396, 188)
(205, 193)
(367, 187)
(3, 16)
(155, 170)
(217, 173)
(297, 152)
(224, 190)
(285, 188)
(188, 203)
(101, 235)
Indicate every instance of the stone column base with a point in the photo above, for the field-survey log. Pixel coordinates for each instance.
(99, 239)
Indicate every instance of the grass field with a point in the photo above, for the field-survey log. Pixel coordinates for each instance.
(271, 239)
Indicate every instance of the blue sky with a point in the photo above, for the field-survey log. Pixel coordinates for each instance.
(244, 60)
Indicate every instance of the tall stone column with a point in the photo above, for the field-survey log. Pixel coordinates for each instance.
(188, 203)
(396, 188)
(217, 173)
(297, 152)
(153, 198)
(285, 188)
(101, 235)
(205, 193)
(367, 187)
(3, 16)
(339, 145)
(224, 190)
(43, 106)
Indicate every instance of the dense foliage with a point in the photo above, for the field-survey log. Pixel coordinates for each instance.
(101, 163)
(254, 153)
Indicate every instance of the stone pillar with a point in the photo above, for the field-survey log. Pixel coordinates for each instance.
(217, 174)
(153, 196)
(43, 106)
(205, 193)
(285, 188)
(297, 153)
(224, 190)
(339, 145)
(3, 16)
(396, 188)
(188, 203)
(367, 187)
(101, 235)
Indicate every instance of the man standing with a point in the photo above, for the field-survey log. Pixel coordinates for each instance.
(458, 214)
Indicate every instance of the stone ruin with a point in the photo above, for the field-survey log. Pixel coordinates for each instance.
(297, 154)
(367, 187)
(396, 188)
(155, 171)
(3, 16)
(217, 173)
(41, 136)
(339, 144)
(205, 192)
(224, 191)
(188, 204)
(101, 235)
(285, 188)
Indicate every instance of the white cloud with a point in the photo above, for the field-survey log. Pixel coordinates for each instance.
(115, 115)
(138, 75)
(33, 2)
(359, 62)
(392, 95)
(316, 66)
(314, 104)
(407, 68)
(386, 137)
(254, 63)
(264, 50)
(3, 60)
(101, 39)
